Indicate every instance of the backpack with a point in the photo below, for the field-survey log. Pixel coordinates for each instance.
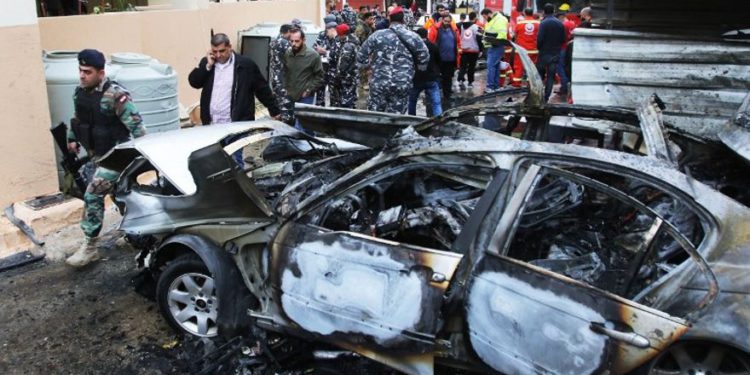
(469, 37)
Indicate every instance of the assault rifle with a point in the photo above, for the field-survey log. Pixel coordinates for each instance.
(70, 162)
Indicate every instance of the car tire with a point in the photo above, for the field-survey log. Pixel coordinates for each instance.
(187, 297)
(698, 357)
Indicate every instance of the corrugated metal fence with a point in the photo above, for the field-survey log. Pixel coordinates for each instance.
(702, 83)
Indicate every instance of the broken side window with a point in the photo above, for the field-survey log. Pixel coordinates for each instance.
(417, 202)
(143, 177)
(599, 233)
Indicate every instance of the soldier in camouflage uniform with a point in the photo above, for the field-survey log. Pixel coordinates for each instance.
(349, 16)
(392, 62)
(104, 116)
(365, 27)
(276, 51)
(344, 92)
(326, 45)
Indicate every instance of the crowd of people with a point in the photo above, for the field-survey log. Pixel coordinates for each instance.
(387, 57)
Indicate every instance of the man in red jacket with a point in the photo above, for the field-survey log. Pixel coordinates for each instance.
(526, 32)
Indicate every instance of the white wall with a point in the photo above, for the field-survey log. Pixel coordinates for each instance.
(17, 12)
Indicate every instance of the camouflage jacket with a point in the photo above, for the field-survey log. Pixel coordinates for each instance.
(390, 59)
(349, 17)
(276, 51)
(116, 99)
(347, 58)
(363, 31)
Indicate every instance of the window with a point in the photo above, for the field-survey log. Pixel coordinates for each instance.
(613, 232)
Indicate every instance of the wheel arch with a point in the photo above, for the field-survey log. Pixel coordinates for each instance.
(234, 296)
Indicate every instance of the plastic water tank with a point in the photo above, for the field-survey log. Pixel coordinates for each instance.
(61, 74)
(152, 86)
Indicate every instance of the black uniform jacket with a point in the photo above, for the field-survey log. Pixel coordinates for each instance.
(248, 83)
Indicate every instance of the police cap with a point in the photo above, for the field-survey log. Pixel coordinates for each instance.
(91, 57)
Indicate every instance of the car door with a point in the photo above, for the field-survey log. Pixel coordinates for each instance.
(538, 302)
(370, 265)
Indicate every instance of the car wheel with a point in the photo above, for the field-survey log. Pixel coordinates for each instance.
(186, 295)
(699, 357)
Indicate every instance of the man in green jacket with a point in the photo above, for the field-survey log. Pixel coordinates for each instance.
(303, 71)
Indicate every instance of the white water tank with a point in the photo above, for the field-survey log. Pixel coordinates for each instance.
(61, 74)
(152, 86)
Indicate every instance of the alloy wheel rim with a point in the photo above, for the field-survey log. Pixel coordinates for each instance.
(193, 304)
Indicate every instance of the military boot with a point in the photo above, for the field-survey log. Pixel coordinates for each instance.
(87, 253)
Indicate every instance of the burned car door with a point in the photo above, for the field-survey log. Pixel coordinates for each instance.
(369, 264)
(554, 292)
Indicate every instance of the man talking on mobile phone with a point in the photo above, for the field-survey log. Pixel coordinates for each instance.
(230, 82)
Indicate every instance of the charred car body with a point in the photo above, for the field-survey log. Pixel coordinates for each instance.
(444, 243)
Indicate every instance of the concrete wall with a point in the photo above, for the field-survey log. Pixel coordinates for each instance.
(27, 168)
(178, 37)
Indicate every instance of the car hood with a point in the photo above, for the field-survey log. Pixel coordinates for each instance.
(169, 152)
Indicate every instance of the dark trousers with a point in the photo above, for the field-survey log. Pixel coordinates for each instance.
(447, 68)
(547, 66)
(468, 65)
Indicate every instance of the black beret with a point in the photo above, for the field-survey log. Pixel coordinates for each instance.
(91, 57)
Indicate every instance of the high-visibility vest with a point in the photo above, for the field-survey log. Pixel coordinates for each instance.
(496, 28)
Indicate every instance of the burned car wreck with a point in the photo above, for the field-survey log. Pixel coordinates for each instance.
(427, 244)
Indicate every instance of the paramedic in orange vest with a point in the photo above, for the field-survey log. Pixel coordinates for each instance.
(526, 32)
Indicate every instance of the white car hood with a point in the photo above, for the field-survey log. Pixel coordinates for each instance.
(169, 151)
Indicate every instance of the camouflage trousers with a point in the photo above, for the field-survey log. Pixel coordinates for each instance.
(344, 93)
(320, 95)
(285, 104)
(389, 97)
(93, 200)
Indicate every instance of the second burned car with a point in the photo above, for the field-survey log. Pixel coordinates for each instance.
(450, 246)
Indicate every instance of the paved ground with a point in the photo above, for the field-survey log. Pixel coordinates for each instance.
(56, 319)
